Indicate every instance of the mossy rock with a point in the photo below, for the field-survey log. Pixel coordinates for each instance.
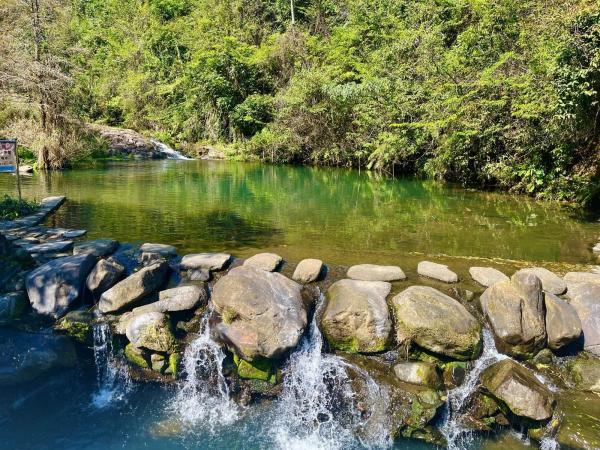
(78, 325)
(585, 372)
(136, 356)
(173, 364)
(257, 369)
(580, 424)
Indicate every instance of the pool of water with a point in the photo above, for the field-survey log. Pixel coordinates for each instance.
(340, 216)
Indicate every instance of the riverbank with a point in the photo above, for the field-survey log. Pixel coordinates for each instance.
(445, 361)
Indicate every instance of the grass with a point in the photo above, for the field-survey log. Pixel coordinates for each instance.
(11, 208)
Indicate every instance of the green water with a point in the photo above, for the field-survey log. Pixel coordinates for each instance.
(340, 216)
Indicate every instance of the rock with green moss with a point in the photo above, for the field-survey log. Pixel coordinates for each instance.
(257, 369)
(136, 356)
(585, 371)
(356, 318)
(13, 305)
(173, 364)
(418, 372)
(152, 331)
(453, 373)
(436, 322)
(580, 422)
(78, 325)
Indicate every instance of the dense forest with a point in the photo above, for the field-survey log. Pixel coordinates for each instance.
(488, 93)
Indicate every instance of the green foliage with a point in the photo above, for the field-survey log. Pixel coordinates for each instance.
(11, 208)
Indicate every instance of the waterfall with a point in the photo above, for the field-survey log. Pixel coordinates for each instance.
(112, 378)
(168, 151)
(457, 436)
(315, 409)
(203, 396)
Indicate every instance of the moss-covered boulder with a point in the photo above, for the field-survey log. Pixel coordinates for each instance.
(78, 325)
(585, 372)
(436, 322)
(355, 317)
(152, 331)
(580, 421)
(257, 369)
(173, 364)
(136, 356)
(419, 373)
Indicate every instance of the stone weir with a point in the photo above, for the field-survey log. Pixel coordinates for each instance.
(445, 362)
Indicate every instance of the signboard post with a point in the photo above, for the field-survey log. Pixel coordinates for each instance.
(9, 160)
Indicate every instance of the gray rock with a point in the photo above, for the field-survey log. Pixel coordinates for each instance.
(50, 247)
(518, 388)
(585, 298)
(436, 322)
(52, 203)
(264, 261)
(181, 298)
(372, 272)
(54, 287)
(208, 261)
(13, 305)
(419, 373)
(151, 331)
(436, 271)
(308, 270)
(72, 234)
(133, 288)
(550, 282)
(263, 313)
(573, 278)
(586, 373)
(98, 248)
(199, 275)
(29, 356)
(105, 275)
(162, 249)
(356, 318)
(486, 276)
(562, 322)
(515, 311)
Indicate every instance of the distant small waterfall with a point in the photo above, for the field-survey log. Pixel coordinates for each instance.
(113, 379)
(168, 151)
(203, 397)
(457, 436)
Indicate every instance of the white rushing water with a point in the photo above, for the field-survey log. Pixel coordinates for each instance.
(203, 398)
(168, 151)
(457, 435)
(113, 379)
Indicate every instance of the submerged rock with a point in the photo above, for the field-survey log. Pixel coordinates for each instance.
(181, 298)
(356, 316)
(562, 322)
(105, 275)
(264, 261)
(418, 372)
(54, 287)
(308, 270)
(133, 288)
(151, 331)
(436, 322)
(515, 311)
(550, 282)
(580, 422)
(372, 272)
(586, 373)
(208, 261)
(486, 276)
(585, 298)
(98, 248)
(517, 387)
(262, 313)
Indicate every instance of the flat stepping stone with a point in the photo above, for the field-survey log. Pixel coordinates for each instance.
(264, 261)
(208, 261)
(372, 272)
(50, 247)
(52, 203)
(550, 282)
(98, 247)
(161, 249)
(308, 270)
(486, 276)
(436, 271)
(71, 234)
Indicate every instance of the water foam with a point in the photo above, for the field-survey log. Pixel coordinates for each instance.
(168, 151)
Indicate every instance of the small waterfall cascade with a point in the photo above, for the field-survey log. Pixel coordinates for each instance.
(168, 151)
(314, 410)
(457, 436)
(112, 378)
(203, 397)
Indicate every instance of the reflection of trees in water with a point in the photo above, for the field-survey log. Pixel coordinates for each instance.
(223, 204)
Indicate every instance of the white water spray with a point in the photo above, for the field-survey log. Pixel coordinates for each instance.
(203, 397)
(459, 437)
(168, 151)
(113, 379)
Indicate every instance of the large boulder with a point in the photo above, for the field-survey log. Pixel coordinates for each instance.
(517, 387)
(572, 278)
(372, 272)
(27, 356)
(105, 275)
(562, 322)
(486, 276)
(436, 271)
(585, 298)
(436, 322)
(98, 247)
(181, 298)
(550, 282)
(151, 331)
(308, 270)
(54, 287)
(356, 316)
(262, 313)
(265, 261)
(133, 288)
(515, 311)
